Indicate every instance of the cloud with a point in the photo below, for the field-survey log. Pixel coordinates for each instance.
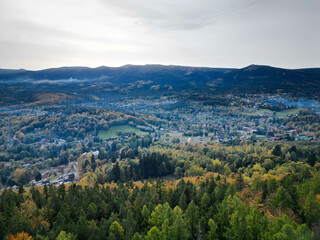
(180, 15)
(37, 34)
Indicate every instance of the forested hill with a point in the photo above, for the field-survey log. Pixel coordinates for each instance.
(266, 78)
(157, 74)
(252, 78)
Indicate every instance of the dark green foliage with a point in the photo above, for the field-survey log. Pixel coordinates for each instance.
(312, 158)
(277, 150)
(211, 210)
(192, 218)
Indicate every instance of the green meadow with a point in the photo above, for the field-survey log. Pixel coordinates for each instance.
(279, 114)
(112, 131)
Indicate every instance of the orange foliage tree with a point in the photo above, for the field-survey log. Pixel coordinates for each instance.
(20, 236)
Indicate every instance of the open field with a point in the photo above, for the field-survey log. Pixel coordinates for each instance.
(112, 131)
(289, 112)
(280, 114)
(260, 112)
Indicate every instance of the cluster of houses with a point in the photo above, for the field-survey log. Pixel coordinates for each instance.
(66, 178)
(63, 179)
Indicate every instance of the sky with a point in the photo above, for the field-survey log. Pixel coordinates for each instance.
(38, 34)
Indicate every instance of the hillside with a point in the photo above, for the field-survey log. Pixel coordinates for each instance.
(173, 75)
(146, 79)
(266, 78)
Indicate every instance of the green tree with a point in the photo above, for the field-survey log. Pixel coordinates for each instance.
(22, 176)
(158, 216)
(92, 211)
(116, 232)
(65, 236)
(289, 232)
(239, 182)
(154, 234)
(192, 218)
(282, 199)
(37, 175)
(268, 164)
(225, 211)
(238, 226)
(179, 229)
(129, 224)
(312, 158)
(205, 203)
(137, 236)
(178, 172)
(145, 216)
(83, 230)
(311, 208)
(115, 172)
(212, 233)
(256, 224)
(183, 202)
(277, 151)
(166, 229)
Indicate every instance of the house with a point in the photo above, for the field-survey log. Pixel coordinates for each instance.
(28, 165)
(302, 138)
(95, 153)
(71, 176)
(45, 182)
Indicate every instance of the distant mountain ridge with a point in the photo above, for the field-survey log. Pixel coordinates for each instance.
(271, 78)
(125, 74)
(250, 78)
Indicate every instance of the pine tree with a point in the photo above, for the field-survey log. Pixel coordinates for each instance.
(92, 211)
(129, 224)
(116, 232)
(212, 233)
(65, 236)
(154, 234)
(137, 236)
(238, 226)
(312, 158)
(256, 224)
(239, 182)
(182, 202)
(83, 230)
(179, 229)
(205, 203)
(277, 151)
(115, 173)
(145, 216)
(192, 218)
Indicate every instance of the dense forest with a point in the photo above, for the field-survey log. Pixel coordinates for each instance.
(211, 209)
(249, 191)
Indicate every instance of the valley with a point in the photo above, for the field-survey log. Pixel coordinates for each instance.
(152, 146)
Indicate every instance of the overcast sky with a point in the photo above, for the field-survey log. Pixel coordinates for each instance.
(37, 34)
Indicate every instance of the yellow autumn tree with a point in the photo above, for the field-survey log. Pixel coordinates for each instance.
(20, 236)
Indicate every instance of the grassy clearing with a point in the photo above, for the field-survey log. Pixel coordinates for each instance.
(112, 131)
(260, 112)
(280, 114)
(54, 178)
(289, 112)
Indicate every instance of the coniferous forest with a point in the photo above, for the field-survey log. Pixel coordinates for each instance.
(272, 195)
